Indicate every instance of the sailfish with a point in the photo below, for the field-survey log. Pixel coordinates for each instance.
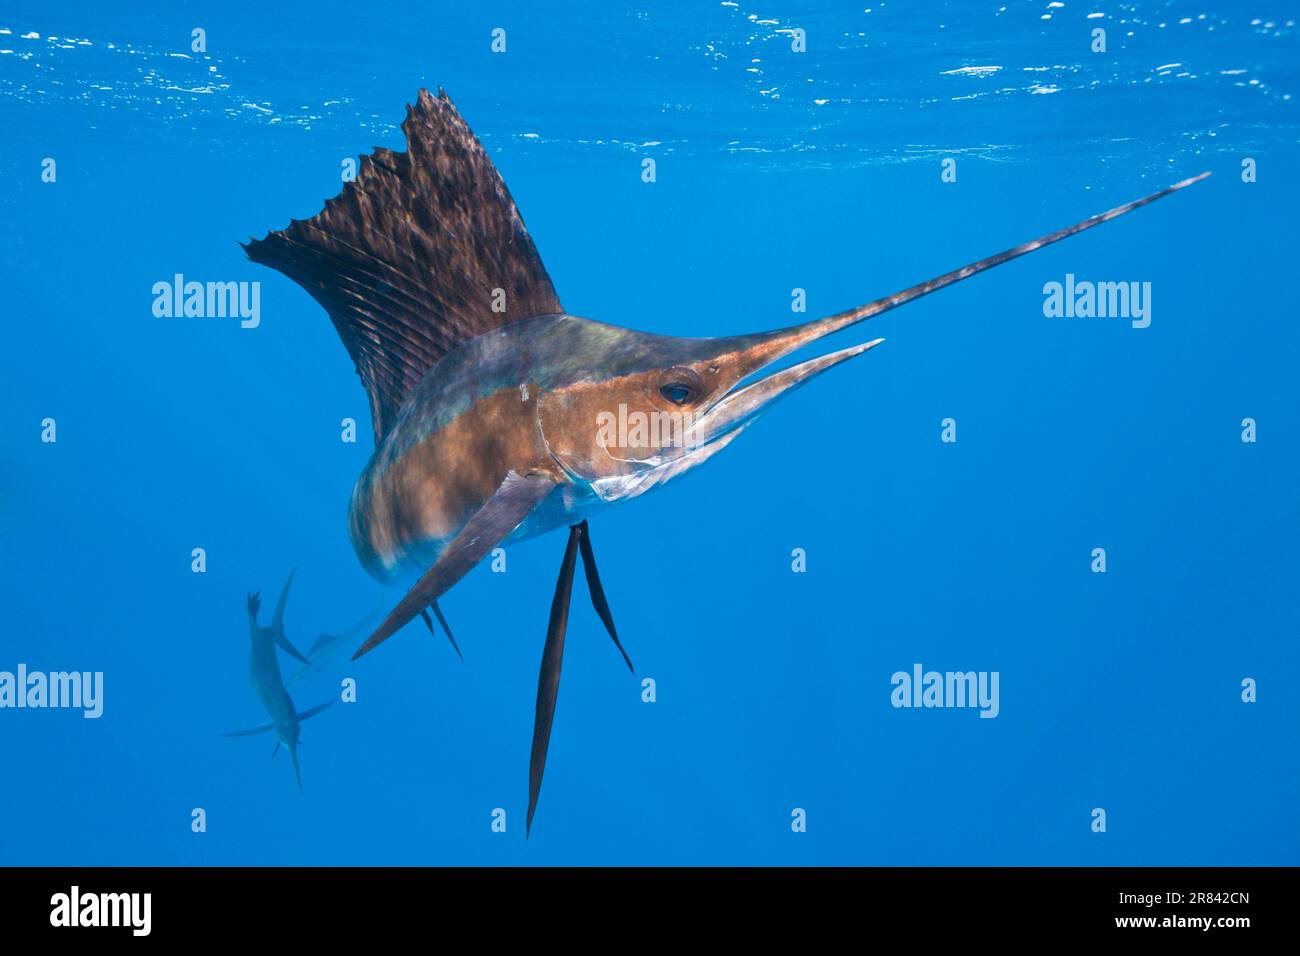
(491, 404)
(264, 672)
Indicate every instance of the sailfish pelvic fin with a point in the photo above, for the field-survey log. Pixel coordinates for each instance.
(548, 679)
(597, 592)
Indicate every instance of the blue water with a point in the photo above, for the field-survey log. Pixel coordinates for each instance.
(822, 171)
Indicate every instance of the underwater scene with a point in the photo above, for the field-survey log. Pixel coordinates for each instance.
(718, 433)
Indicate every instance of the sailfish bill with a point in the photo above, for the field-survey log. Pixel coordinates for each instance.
(485, 393)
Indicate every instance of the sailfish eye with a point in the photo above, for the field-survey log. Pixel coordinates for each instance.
(676, 392)
(680, 385)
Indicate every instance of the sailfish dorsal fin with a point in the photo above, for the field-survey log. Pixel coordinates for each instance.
(408, 257)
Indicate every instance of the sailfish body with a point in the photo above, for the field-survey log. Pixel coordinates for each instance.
(526, 398)
(491, 405)
(268, 684)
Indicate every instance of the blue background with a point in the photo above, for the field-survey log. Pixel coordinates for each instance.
(1119, 690)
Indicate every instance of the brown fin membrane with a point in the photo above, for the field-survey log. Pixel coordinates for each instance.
(407, 257)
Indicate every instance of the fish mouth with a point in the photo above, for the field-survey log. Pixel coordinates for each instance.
(713, 429)
(745, 401)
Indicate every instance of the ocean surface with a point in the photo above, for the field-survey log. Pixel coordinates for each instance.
(773, 737)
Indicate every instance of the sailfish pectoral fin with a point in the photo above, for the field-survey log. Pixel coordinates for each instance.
(313, 711)
(250, 732)
(288, 648)
(548, 681)
(597, 592)
(491, 524)
(277, 622)
(277, 619)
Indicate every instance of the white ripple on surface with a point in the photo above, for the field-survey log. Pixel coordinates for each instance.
(971, 71)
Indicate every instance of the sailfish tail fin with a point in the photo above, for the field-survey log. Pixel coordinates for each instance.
(423, 250)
